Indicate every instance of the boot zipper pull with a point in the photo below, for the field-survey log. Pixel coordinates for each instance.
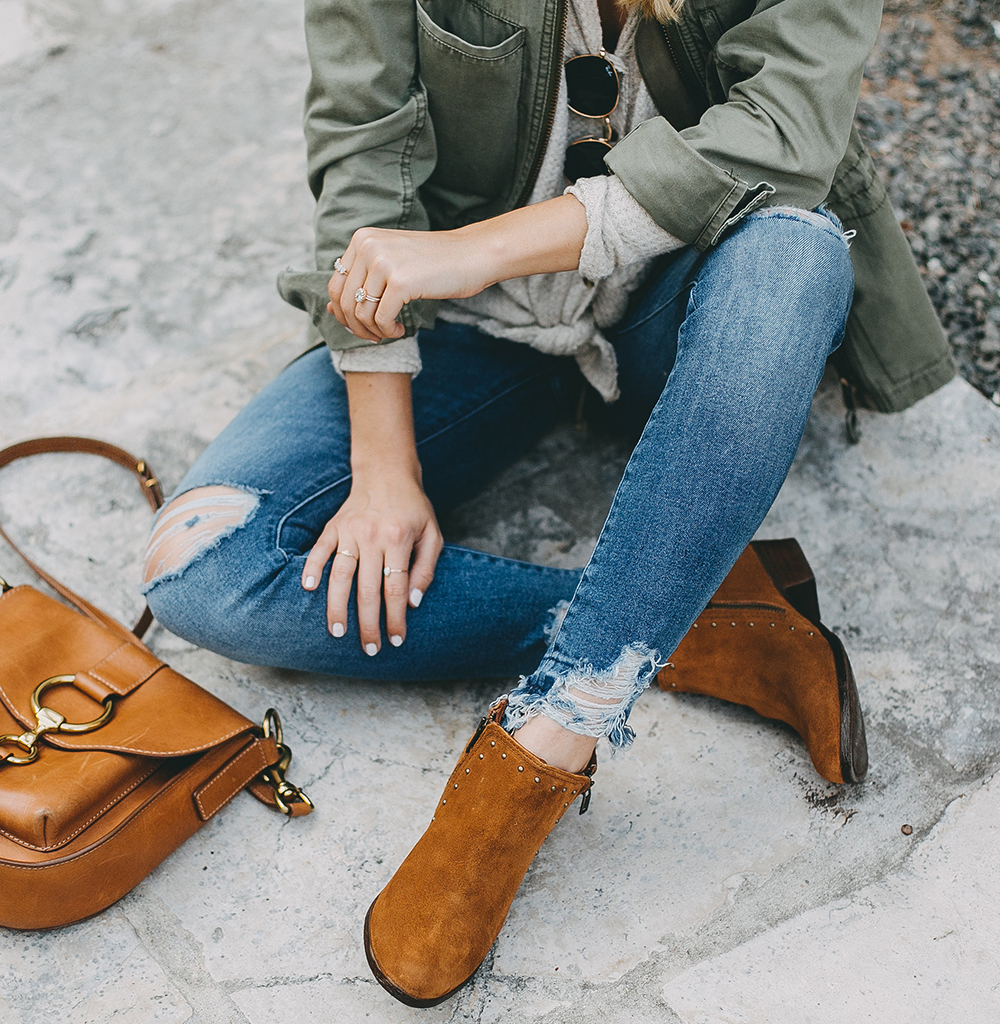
(493, 714)
(850, 395)
(477, 733)
(585, 800)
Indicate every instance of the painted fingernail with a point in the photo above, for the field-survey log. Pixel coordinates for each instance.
(371, 650)
(338, 629)
(310, 582)
(395, 640)
(416, 596)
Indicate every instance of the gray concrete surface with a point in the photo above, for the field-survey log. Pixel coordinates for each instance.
(151, 183)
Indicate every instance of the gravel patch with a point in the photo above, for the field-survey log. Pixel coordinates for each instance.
(930, 111)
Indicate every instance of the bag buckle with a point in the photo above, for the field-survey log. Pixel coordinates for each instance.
(47, 720)
(285, 794)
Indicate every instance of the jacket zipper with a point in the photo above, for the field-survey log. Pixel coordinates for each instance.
(685, 70)
(550, 115)
(673, 54)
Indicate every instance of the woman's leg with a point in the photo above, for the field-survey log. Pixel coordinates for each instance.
(754, 321)
(225, 558)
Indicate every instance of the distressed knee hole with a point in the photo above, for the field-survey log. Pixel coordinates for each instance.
(191, 525)
(823, 219)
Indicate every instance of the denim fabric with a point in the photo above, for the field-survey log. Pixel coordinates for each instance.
(750, 325)
(738, 335)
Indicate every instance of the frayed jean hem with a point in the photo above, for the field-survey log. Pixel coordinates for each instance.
(582, 699)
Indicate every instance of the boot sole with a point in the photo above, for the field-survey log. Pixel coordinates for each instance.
(393, 990)
(785, 563)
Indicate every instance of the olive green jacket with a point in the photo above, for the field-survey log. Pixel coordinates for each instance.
(430, 114)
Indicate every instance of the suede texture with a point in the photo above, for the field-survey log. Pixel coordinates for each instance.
(751, 646)
(434, 923)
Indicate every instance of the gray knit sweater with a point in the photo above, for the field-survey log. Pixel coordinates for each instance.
(562, 314)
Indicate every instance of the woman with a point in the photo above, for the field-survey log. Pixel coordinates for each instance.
(488, 207)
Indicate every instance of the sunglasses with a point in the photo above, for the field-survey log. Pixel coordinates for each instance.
(592, 90)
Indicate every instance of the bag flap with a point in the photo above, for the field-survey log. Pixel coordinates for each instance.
(157, 712)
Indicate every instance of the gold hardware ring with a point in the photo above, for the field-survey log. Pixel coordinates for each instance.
(47, 720)
(65, 726)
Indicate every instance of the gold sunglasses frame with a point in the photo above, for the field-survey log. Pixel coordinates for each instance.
(605, 118)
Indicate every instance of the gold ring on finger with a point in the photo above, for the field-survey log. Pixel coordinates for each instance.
(338, 265)
(387, 571)
(344, 551)
(362, 296)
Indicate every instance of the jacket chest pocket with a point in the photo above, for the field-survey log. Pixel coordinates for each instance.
(471, 67)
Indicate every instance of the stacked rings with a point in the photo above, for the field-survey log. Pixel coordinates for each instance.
(362, 296)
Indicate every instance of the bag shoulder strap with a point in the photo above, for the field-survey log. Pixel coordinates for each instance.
(150, 488)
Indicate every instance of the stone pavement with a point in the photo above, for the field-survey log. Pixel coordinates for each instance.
(151, 184)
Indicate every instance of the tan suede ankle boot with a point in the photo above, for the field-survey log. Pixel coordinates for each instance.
(760, 642)
(431, 927)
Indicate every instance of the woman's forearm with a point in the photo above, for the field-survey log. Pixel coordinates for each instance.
(542, 239)
(381, 411)
(383, 542)
(383, 269)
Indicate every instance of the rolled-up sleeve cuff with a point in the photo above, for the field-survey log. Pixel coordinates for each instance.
(695, 200)
(401, 356)
(619, 231)
(307, 290)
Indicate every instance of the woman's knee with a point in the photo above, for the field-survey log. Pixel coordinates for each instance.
(795, 255)
(187, 586)
(782, 281)
(192, 524)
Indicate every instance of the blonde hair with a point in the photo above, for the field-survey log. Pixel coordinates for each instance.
(661, 10)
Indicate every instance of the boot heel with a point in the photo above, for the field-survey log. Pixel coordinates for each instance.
(785, 563)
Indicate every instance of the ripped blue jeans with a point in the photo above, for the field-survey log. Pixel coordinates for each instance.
(719, 356)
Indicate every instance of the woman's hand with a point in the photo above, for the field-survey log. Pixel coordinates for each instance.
(396, 267)
(387, 522)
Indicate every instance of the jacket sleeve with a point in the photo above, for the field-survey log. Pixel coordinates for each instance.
(791, 73)
(370, 143)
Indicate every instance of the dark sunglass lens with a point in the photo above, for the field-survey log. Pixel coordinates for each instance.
(586, 159)
(591, 85)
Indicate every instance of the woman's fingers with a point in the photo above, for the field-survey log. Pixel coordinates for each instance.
(335, 288)
(427, 549)
(338, 593)
(370, 598)
(354, 281)
(396, 589)
(322, 550)
(369, 268)
(366, 311)
(384, 322)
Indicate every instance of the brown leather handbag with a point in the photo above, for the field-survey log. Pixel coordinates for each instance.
(109, 759)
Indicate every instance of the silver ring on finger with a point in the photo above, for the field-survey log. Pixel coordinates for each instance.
(338, 265)
(362, 296)
(387, 571)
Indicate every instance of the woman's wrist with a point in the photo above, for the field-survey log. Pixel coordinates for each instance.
(542, 239)
(370, 467)
(382, 438)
